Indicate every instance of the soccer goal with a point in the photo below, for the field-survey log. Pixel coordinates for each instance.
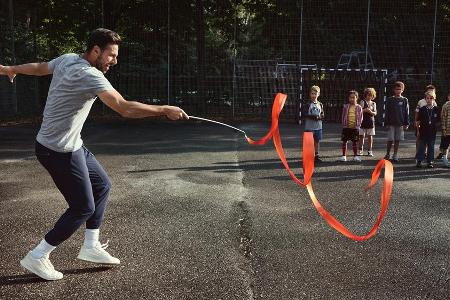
(334, 85)
(255, 83)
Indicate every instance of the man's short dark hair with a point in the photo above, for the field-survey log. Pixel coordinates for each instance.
(102, 37)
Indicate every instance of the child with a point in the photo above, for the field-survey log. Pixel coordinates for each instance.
(352, 116)
(445, 141)
(420, 104)
(313, 115)
(428, 119)
(396, 119)
(368, 123)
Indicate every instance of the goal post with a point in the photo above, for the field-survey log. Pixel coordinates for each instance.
(334, 85)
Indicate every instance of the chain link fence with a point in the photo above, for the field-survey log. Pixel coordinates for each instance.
(229, 58)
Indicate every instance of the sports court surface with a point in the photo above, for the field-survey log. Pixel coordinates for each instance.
(197, 213)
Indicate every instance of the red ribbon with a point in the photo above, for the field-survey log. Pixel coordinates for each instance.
(308, 169)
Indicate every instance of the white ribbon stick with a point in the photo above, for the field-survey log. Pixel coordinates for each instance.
(223, 124)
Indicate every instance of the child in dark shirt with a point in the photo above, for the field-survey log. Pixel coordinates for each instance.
(428, 122)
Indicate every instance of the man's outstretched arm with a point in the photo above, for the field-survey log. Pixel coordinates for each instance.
(133, 109)
(36, 69)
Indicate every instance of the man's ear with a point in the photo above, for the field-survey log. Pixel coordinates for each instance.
(96, 50)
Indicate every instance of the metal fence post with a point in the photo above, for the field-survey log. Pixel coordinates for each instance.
(233, 103)
(434, 39)
(367, 33)
(168, 52)
(300, 34)
(13, 51)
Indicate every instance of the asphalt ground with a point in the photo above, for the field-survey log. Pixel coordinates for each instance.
(197, 213)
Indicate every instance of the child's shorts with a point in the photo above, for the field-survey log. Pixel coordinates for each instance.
(317, 134)
(367, 131)
(350, 134)
(395, 133)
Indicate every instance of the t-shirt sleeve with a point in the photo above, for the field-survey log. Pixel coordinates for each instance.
(96, 82)
(406, 112)
(362, 103)
(418, 106)
(56, 61)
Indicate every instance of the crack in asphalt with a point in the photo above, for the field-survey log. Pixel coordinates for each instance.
(245, 244)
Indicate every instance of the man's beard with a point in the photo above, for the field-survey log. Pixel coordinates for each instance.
(99, 65)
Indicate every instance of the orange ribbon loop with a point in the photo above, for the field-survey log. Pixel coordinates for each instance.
(308, 169)
(308, 151)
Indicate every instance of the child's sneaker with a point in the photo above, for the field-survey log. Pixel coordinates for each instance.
(419, 164)
(395, 158)
(343, 158)
(357, 158)
(430, 165)
(360, 152)
(445, 162)
(440, 155)
(369, 153)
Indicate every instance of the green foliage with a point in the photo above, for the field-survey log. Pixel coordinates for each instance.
(400, 32)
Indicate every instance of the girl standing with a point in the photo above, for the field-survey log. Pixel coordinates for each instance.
(352, 117)
(368, 123)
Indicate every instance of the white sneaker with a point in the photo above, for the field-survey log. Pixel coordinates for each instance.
(343, 158)
(357, 158)
(98, 254)
(360, 152)
(42, 267)
(369, 153)
(445, 162)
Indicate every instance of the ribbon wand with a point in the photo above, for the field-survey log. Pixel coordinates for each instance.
(220, 123)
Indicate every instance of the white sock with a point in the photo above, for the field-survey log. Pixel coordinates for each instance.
(41, 250)
(91, 237)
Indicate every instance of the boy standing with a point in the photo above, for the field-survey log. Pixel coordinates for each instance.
(312, 114)
(421, 103)
(428, 120)
(396, 119)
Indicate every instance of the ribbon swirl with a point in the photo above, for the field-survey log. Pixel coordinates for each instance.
(308, 169)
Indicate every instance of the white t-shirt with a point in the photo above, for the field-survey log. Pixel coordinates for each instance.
(72, 92)
(423, 103)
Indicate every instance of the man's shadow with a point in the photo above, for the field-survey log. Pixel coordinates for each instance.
(31, 278)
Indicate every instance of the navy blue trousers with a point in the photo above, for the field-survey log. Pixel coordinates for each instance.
(83, 183)
(429, 145)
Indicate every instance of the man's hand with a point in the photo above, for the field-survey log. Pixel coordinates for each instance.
(175, 113)
(8, 71)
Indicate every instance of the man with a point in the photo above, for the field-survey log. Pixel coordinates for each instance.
(77, 80)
